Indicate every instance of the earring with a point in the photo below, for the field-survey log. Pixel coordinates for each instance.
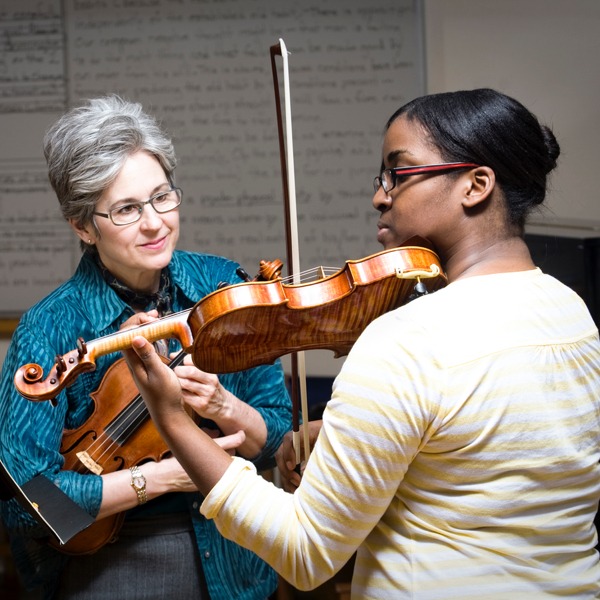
(89, 241)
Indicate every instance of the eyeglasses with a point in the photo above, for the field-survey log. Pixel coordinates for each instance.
(126, 214)
(390, 177)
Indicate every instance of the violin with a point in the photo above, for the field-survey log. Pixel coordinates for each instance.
(117, 437)
(253, 323)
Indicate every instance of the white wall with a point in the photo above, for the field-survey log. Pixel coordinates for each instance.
(544, 53)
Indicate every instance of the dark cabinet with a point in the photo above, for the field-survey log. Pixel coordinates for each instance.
(574, 261)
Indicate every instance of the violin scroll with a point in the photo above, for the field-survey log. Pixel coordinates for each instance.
(66, 369)
(269, 270)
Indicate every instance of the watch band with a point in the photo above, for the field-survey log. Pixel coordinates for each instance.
(138, 483)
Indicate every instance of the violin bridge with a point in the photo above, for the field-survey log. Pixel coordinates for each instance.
(90, 463)
(434, 272)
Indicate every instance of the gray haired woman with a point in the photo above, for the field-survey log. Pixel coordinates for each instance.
(112, 168)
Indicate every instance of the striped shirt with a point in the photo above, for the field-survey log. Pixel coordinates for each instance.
(458, 455)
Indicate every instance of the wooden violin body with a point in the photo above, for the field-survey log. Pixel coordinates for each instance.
(250, 324)
(256, 324)
(119, 434)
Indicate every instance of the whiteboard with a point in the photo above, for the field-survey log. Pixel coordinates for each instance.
(203, 68)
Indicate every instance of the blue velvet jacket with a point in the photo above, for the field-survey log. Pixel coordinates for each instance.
(30, 433)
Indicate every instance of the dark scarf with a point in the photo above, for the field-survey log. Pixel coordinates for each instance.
(162, 300)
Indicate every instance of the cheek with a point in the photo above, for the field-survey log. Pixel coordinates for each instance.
(171, 220)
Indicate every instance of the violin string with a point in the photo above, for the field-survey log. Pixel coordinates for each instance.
(315, 273)
(126, 423)
(122, 427)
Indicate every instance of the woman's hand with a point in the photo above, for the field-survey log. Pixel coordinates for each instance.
(228, 442)
(286, 455)
(138, 319)
(204, 393)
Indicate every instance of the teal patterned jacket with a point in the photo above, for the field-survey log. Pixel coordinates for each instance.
(30, 433)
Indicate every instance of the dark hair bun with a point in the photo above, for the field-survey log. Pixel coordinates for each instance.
(552, 146)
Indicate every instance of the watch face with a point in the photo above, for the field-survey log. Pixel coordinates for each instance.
(138, 482)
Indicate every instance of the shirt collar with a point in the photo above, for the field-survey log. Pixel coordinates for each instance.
(90, 278)
(182, 280)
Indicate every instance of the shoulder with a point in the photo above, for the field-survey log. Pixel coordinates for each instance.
(72, 307)
(194, 260)
(199, 274)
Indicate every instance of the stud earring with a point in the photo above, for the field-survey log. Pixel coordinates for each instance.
(89, 241)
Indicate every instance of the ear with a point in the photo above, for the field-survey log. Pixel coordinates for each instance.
(85, 232)
(479, 185)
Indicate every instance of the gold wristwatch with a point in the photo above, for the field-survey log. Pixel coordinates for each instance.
(138, 483)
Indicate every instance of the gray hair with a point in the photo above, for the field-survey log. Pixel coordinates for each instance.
(87, 147)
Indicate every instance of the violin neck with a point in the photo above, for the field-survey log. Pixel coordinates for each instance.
(173, 326)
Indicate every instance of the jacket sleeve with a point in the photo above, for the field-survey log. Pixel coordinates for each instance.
(264, 389)
(31, 433)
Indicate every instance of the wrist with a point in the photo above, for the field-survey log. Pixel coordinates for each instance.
(225, 417)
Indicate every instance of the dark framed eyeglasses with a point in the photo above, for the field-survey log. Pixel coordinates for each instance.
(390, 177)
(126, 214)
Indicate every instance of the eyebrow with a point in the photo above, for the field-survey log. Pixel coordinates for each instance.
(123, 201)
(393, 155)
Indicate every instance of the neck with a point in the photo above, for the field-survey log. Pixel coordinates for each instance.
(500, 256)
(145, 282)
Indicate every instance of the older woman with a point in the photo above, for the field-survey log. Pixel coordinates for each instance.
(112, 169)
(459, 453)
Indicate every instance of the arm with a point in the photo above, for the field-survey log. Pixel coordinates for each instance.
(259, 402)
(199, 455)
(207, 396)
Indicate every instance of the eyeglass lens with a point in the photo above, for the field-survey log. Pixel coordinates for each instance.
(162, 203)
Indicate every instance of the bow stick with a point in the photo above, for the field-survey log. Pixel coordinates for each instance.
(286, 151)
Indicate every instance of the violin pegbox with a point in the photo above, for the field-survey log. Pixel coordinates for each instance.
(269, 270)
(66, 368)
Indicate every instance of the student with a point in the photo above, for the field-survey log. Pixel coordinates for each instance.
(459, 453)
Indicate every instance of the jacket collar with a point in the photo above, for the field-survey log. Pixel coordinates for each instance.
(90, 280)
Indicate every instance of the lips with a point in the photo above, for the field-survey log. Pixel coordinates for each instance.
(155, 244)
(383, 229)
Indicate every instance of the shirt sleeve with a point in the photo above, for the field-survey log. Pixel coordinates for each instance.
(382, 411)
(31, 433)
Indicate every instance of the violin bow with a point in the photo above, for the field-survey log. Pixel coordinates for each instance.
(286, 153)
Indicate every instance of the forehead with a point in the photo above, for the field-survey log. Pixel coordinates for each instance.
(408, 143)
(140, 176)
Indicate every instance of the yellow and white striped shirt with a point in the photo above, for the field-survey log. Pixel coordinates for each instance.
(459, 454)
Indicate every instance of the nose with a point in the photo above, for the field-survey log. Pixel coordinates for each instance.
(150, 219)
(382, 200)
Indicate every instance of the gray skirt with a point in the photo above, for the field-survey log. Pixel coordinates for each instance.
(152, 559)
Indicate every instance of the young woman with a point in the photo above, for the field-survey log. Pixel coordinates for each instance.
(459, 453)
(112, 169)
